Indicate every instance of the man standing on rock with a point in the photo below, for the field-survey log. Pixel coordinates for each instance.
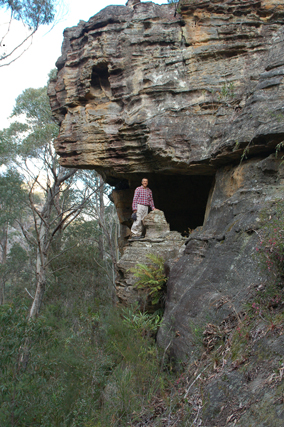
(142, 199)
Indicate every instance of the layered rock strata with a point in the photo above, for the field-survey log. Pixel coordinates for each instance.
(144, 90)
(194, 101)
(182, 98)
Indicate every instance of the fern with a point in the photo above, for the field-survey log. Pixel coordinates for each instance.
(151, 278)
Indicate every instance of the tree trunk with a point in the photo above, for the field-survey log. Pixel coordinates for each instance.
(2, 292)
(40, 287)
(4, 247)
(101, 219)
(41, 263)
(4, 244)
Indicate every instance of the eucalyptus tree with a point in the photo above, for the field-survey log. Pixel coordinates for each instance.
(13, 198)
(61, 202)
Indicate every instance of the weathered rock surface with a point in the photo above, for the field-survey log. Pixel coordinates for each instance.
(219, 269)
(182, 99)
(160, 241)
(140, 90)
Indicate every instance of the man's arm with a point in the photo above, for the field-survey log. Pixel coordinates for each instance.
(135, 199)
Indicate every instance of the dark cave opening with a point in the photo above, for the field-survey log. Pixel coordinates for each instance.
(183, 198)
(100, 80)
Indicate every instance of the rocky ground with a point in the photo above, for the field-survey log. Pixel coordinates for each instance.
(237, 380)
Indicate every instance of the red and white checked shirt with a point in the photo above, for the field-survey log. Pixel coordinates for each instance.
(142, 196)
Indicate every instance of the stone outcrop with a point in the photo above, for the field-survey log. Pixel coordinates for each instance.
(160, 241)
(181, 97)
(194, 101)
(140, 90)
(219, 270)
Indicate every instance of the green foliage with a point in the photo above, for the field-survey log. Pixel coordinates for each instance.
(151, 278)
(19, 390)
(227, 90)
(31, 12)
(90, 363)
(144, 323)
(268, 301)
(271, 246)
(245, 152)
(13, 196)
(39, 127)
(13, 202)
(278, 148)
(27, 139)
(86, 367)
(76, 270)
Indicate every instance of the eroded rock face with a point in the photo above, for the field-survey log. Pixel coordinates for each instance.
(140, 90)
(160, 241)
(181, 99)
(219, 270)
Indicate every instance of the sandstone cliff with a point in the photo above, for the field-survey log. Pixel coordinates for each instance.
(195, 102)
(140, 90)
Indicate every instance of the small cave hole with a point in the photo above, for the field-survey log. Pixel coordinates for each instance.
(147, 25)
(100, 80)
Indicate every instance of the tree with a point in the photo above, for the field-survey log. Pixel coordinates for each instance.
(32, 142)
(106, 216)
(57, 196)
(13, 197)
(32, 14)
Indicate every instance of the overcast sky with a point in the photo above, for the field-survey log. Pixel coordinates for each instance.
(31, 70)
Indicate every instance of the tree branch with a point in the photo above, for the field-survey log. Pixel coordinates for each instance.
(61, 253)
(25, 233)
(16, 48)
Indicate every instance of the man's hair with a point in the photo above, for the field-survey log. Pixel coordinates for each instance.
(144, 178)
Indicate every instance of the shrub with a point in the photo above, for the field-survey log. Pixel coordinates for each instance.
(270, 252)
(143, 323)
(271, 246)
(151, 278)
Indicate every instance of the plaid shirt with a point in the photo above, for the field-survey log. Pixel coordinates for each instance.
(142, 196)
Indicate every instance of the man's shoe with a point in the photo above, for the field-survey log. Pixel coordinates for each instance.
(137, 237)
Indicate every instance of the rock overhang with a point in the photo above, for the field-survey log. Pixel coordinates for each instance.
(181, 100)
(142, 91)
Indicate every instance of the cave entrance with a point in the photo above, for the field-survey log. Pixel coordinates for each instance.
(182, 198)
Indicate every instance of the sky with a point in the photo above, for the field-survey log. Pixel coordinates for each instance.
(31, 70)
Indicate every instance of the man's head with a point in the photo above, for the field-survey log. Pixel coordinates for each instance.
(144, 182)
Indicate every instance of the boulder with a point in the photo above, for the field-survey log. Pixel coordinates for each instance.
(168, 245)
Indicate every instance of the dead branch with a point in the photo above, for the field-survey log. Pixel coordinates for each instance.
(29, 294)
(25, 233)
(57, 256)
(8, 30)
(16, 48)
